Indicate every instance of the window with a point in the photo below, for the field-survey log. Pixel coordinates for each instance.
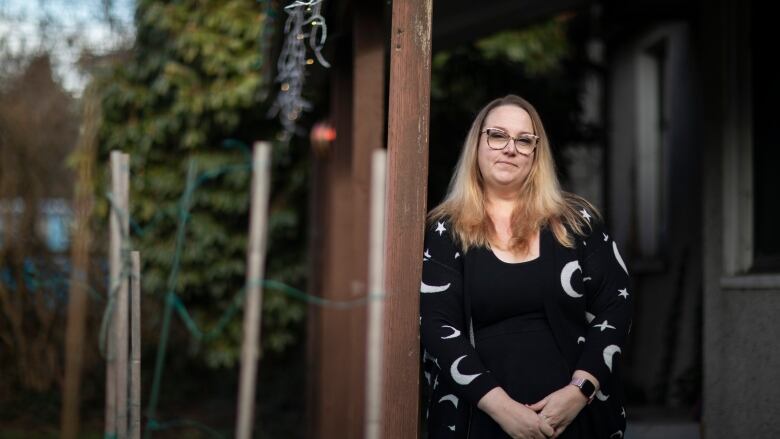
(651, 139)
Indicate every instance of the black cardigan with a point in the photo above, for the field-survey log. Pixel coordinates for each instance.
(590, 327)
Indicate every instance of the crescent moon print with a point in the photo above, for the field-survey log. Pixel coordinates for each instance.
(580, 340)
(609, 351)
(454, 334)
(452, 427)
(589, 317)
(451, 398)
(424, 288)
(617, 256)
(617, 434)
(566, 274)
(601, 396)
(460, 378)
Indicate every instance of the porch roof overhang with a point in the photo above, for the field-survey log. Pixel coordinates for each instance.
(460, 21)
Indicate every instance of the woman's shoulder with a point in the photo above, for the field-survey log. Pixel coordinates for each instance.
(581, 218)
(585, 225)
(434, 222)
(439, 228)
(441, 239)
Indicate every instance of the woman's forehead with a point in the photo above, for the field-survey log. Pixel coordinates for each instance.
(509, 117)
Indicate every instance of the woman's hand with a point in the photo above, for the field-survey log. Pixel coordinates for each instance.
(516, 419)
(560, 408)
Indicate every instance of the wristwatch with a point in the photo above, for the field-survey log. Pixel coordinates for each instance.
(586, 387)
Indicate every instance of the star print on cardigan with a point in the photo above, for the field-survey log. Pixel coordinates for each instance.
(604, 325)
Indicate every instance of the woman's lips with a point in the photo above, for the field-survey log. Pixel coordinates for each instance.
(506, 163)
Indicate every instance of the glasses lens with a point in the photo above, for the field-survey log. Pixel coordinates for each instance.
(497, 139)
(525, 143)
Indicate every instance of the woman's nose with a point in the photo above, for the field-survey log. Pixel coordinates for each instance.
(510, 149)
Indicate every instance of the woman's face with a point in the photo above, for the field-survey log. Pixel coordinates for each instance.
(505, 169)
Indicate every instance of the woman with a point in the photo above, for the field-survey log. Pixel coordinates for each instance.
(525, 306)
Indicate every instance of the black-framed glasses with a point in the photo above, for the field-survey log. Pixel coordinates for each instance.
(498, 139)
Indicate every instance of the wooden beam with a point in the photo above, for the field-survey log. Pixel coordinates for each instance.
(337, 221)
(330, 247)
(408, 113)
(316, 267)
(340, 225)
(368, 123)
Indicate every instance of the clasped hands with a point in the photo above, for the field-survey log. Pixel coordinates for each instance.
(547, 418)
(559, 409)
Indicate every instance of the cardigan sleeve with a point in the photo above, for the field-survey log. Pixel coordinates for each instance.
(609, 304)
(444, 333)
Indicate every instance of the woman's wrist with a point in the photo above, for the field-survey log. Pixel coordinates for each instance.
(576, 394)
(493, 400)
(579, 373)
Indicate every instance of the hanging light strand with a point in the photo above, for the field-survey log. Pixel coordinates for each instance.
(304, 22)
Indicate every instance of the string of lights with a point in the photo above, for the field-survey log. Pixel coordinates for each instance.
(304, 22)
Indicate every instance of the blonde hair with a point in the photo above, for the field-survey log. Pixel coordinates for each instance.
(541, 201)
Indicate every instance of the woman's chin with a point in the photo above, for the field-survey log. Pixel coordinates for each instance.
(508, 177)
(506, 182)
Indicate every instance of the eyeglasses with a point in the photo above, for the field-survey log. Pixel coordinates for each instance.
(524, 143)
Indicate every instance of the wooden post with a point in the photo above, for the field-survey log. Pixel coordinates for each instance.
(118, 227)
(336, 219)
(368, 135)
(339, 230)
(122, 304)
(253, 304)
(135, 346)
(409, 99)
(374, 340)
(77, 291)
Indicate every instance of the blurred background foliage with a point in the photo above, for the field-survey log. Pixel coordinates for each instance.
(195, 87)
(193, 84)
(38, 127)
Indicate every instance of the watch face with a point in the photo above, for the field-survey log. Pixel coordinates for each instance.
(587, 388)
